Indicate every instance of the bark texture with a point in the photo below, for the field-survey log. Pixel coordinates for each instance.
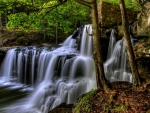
(98, 58)
(129, 48)
(56, 34)
(100, 75)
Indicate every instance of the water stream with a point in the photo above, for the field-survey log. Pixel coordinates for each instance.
(117, 67)
(49, 76)
(37, 79)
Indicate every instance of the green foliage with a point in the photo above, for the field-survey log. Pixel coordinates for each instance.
(148, 46)
(17, 20)
(107, 106)
(134, 85)
(84, 103)
(120, 108)
(39, 15)
(29, 15)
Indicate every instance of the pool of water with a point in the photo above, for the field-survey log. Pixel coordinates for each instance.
(11, 94)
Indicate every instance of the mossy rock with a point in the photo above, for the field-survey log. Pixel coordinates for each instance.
(83, 105)
(62, 108)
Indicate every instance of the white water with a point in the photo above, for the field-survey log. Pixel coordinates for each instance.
(117, 67)
(57, 76)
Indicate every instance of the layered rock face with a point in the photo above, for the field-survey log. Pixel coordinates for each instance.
(143, 25)
(110, 14)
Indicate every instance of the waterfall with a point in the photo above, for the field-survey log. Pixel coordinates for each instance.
(57, 74)
(117, 66)
(60, 74)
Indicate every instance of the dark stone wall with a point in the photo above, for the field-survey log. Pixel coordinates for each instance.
(2, 56)
(109, 14)
(3, 51)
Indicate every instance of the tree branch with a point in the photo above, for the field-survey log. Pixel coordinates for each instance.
(50, 9)
(88, 4)
(53, 7)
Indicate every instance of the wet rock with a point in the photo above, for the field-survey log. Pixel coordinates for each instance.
(4, 49)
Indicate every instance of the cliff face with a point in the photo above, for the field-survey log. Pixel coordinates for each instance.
(109, 14)
(143, 26)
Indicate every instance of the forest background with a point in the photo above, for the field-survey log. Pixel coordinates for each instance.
(43, 21)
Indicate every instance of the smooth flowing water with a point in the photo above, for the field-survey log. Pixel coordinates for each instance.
(45, 77)
(117, 66)
(40, 78)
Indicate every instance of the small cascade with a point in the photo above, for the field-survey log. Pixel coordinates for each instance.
(117, 66)
(7, 68)
(86, 45)
(57, 74)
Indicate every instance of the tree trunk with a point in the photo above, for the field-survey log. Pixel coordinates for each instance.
(14, 6)
(32, 1)
(1, 28)
(6, 17)
(128, 43)
(1, 24)
(56, 34)
(101, 80)
(98, 59)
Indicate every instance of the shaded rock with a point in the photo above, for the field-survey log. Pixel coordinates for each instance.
(142, 49)
(110, 14)
(62, 108)
(2, 54)
(148, 111)
(4, 49)
(143, 26)
(142, 56)
(148, 41)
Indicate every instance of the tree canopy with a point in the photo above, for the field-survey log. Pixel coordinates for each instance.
(45, 15)
(28, 15)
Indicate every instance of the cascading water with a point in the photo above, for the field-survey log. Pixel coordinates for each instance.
(57, 75)
(117, 66)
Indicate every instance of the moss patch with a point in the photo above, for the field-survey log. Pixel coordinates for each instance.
(84, 104)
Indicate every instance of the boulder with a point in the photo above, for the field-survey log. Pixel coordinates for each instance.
(142, 49)
(143, 26)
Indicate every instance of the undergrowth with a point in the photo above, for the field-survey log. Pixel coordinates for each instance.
(84, 103)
